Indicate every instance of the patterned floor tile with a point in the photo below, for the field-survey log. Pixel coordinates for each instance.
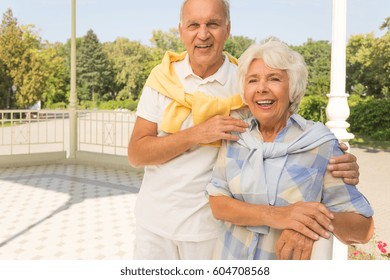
(67, 212)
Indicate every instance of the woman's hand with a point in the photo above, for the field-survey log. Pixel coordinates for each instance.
(292, 245)
(311, 219)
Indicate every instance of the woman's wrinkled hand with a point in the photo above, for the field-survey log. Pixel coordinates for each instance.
(311, 219)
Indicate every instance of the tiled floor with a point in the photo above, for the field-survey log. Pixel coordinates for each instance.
(67, 212)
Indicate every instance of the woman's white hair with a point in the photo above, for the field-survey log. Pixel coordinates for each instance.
(277, 55)
(225, 4)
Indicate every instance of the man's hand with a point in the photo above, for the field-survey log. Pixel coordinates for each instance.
(219, 128)
(345, 167)
(293, 245)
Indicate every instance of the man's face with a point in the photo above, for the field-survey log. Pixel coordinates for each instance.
(204, 31)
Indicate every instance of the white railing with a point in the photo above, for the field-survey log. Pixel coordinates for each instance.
(32, 131)
(105, 132)
(24, 132)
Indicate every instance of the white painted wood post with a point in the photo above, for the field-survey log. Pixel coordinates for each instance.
(73, 93)
(337, 110)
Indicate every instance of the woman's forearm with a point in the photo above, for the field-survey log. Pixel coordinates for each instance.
(352, 228)
(237, 212)
(309, 218)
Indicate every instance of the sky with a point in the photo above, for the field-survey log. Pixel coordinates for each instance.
(293, 21)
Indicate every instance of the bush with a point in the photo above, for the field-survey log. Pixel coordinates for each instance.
(119, 104)
(87, 105)
(371, 118)
(59, 105)
(130, 104)
(109, 105)
(313, 108)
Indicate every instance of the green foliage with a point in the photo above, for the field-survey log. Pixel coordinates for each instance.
(385, 24)
(371, 117)
(122, 104)
(21, 62)
(167, 40)
(162, 42)
(59, 105)
(109, 105)
(30, 81)
(317, 55)
(95, 75)
(131, 104)
(87, 105)
(236, 45)
(313, 107)
(56, 73)
(368, 64)
(129, 60)
(5, 83)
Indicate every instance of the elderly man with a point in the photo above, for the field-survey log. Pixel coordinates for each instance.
(182, 115)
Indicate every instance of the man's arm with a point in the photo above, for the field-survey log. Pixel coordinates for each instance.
(345, 167)
(146, 148)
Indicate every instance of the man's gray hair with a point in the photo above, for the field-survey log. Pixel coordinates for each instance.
(277, 55)
(225, 4)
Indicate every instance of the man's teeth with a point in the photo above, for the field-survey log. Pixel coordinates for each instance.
(203, 46)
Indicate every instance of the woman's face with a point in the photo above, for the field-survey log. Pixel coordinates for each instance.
(266, 92)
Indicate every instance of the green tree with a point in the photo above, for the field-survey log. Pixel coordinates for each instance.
(94, 72)
(5, 86)
(162, 42)
(359, 60)
(368, 63)
(166, 41)
(385, 24)
(56, 74)
(129, 60)
(317, 55)
(381, 64)
(21, 60)
(236, 45)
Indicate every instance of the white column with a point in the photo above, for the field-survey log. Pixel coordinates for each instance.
(337, 110)
(73, 93)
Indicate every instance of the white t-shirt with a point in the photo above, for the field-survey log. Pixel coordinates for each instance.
(172, 201)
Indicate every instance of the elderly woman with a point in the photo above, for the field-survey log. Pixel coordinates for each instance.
(275, 176)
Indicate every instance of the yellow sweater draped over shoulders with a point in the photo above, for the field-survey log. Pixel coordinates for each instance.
(164, 80)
